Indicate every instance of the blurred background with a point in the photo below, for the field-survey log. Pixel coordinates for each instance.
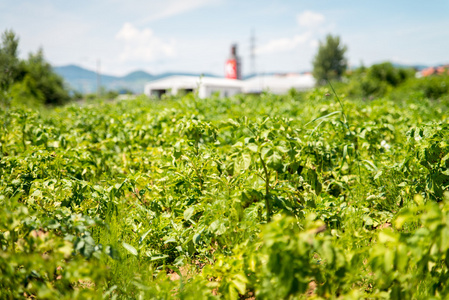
(137, 40)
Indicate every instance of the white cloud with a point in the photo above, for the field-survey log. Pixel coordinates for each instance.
(313, 26)
(143, 45)
(314, 43)
(284, 44)
(310, 19)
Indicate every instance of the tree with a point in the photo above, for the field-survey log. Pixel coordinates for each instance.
(47, 83)
(28, 81)
(9, 62)
(330, 62)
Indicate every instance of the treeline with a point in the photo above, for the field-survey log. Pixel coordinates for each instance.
(386, 80)
(379, 80)
(29, 82)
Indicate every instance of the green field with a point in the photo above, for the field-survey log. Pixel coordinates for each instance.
(297, 196)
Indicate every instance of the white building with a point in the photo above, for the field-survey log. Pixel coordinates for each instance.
(206, 86)
(278, 84)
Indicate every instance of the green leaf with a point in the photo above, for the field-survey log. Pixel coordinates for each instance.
(328, 252)
(387, 236)
(266, 152)
(157, 257)
(369, 165)
(233, 122)
(233, 294)
(282, 149)
(378, 174)
(275, 161)
(217, 227)
(188, 213)
(130, 248)
(368, 221)
(144, 236)
(246, 160)
(324, 117)
(197, 238)
(177, 154)
(239, 282)
(170, 240)
(243, 163)
(253, 147)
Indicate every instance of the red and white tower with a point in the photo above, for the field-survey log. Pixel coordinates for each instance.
(232, 67)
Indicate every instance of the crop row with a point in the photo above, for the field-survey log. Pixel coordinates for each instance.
(268, 196)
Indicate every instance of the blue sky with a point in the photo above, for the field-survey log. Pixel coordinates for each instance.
(195, 35)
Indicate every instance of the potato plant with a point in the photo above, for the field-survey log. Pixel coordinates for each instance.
(260, 196)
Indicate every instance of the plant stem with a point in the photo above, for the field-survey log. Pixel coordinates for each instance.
(267, 189)
(23, 136)
(197, 174)
(341, 104)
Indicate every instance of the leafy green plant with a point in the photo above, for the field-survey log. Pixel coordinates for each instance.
(267, 196)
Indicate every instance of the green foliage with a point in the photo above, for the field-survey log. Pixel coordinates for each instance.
(430, 87)
(26, 93)
(431, 144)
(111, 95)
(386, 72)
(9, 62)
(330, 62)
(47, 82)
(268, 196)
(377, 80)
(36, 261)
(31, 82)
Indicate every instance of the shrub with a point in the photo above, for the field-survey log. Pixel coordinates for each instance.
(378, 80)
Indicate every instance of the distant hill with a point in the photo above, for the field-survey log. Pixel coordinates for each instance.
(85, 81)
(138, 75)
